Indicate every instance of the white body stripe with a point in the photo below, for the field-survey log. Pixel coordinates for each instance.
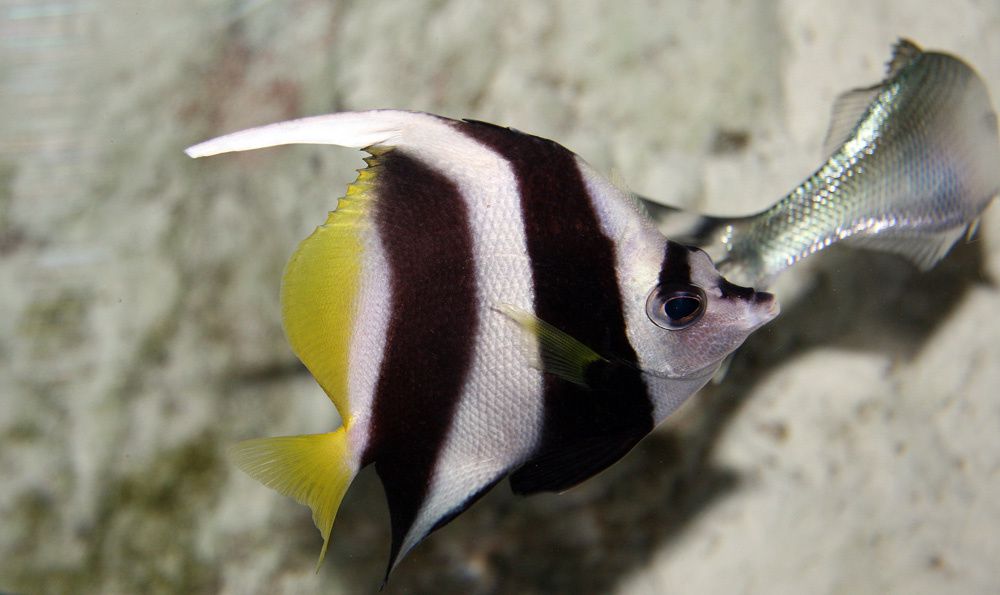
(374, 305)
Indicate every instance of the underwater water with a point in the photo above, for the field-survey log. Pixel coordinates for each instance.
(852, 446)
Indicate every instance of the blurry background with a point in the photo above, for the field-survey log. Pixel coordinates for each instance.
(853, 447)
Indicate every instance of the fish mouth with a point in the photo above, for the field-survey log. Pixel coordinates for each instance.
(761, 306)
(766, 300)
(764, 308)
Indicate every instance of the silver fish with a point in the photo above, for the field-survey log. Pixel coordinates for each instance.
(914, 161)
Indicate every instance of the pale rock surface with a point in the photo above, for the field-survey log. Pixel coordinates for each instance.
(853, 447)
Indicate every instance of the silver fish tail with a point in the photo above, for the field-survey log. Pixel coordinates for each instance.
(913, 162)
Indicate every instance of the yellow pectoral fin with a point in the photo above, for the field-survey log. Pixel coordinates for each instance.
(314, 469)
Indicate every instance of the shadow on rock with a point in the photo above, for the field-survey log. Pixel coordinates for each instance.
(869, 301)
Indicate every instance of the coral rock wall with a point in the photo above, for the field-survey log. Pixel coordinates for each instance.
(853, 447)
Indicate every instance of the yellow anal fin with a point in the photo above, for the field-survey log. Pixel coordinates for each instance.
(319, 290)
(313, 469)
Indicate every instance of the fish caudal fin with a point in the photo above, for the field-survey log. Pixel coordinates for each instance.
(314, 469)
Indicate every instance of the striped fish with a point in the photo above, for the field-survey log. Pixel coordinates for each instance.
(480, 304)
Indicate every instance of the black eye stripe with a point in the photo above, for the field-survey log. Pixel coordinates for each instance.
(675, 268)
(731, 290)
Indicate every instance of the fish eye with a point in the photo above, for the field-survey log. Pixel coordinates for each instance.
(675, 307)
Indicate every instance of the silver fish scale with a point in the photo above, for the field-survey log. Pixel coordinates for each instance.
(919, 165)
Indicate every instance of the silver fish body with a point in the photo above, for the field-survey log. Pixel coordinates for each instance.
(913, 162)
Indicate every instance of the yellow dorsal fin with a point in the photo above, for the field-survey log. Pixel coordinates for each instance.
(319, 289)
(315, 470)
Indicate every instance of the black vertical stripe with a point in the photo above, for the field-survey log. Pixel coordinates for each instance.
(424, 226)
(675, 268)
(585, 429)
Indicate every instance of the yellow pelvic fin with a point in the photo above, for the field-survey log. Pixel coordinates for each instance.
(560, 353)
(314, 469)
(319, 290)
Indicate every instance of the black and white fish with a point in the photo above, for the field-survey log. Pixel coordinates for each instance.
(912, 163)
(482, 303)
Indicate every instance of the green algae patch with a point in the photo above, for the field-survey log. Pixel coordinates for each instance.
(144, 538)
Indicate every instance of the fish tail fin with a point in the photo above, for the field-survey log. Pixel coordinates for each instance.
(314, 469)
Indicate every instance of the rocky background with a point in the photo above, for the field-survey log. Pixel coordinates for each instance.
(854, 446)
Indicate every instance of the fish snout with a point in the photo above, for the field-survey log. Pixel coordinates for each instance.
(764, 307)
(761, 306)
(764, 298)
(767, 301)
